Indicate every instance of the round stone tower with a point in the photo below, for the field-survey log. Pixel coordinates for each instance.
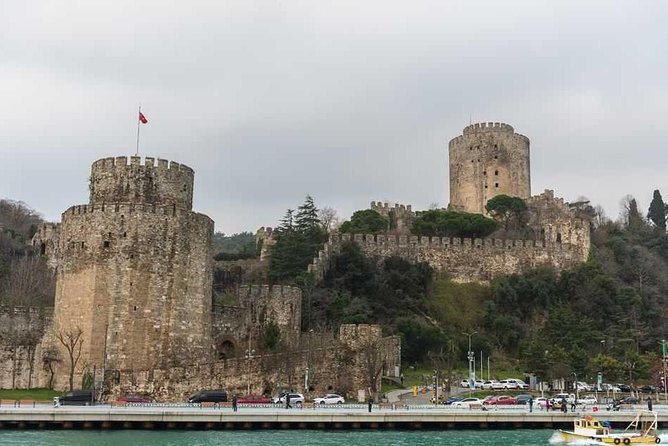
(488, 159)
(134, 271)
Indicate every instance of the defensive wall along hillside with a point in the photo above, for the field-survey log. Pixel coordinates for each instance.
(464, 259)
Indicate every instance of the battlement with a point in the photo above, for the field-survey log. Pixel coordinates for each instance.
(489, 127)
(137, 180)
(148, 162)
(434, 242)
(385, 207)
(123, 209)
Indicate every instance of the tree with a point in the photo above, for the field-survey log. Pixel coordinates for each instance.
(657, 211)
(271, 336)
(507, 209)
(298, 239)
(373, 363)
(329, 220)
(50, 358)
(72, 340)
(442, 223)
(366, 221)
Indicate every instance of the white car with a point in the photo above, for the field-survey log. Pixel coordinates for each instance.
(584, 386)
(540, 403)
(508, 384)
(589, 399)
(295, 398)
(330, 398)
(464, 383)
(467, 402)
(490, 384)
(520, 384)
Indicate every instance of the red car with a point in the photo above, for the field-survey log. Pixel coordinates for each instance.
(253, 399)
(501, 400)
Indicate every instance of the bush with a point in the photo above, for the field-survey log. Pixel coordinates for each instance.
(441, 223)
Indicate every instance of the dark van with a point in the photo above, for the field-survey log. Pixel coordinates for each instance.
(209, 396)
(76, 398)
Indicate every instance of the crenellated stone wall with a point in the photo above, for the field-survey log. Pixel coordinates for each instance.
(134, 268)
(400, 216)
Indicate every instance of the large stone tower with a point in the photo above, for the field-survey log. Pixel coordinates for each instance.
(488, 159)
(134, 268)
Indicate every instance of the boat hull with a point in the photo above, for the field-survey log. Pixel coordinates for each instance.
(620, 438)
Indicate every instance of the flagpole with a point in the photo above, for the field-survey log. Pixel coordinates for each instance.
(138, 124)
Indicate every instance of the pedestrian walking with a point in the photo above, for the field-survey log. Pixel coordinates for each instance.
(287, 401)
(234, 402)
(531, 404)
(649, 403)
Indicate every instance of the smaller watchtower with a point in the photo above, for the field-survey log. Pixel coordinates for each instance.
(487, 160)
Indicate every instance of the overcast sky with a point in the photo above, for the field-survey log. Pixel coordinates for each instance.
(349, 101)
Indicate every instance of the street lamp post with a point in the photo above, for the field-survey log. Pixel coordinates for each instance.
(249, 357)
(664, 351)
(471, 358)
(576, 387)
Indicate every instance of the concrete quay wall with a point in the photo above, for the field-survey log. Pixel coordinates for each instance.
(106, 417)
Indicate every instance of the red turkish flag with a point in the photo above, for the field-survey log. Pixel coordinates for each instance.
(142, 118)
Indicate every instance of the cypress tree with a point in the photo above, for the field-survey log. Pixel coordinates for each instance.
(657, 211)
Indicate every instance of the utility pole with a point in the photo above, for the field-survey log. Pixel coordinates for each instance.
(471, 358)
(664, 351)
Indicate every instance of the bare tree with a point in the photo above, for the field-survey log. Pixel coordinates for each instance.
(373, 363)
(72, 340)
(50, 358)
(29, 283)
(328, 219)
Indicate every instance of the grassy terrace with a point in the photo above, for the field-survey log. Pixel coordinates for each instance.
(28, 394)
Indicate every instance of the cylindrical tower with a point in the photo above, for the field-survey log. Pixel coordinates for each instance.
(135, 269)
(488, 159)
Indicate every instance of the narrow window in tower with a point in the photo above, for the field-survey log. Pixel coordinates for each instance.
(83, 245)
(496, 146)
(558, 238)
(135, 307)
(484, 172)
(496, 184)
(125, 234)
(496, 172)
(107, 243)
(496, 157)
(485, 186)
(471, 148)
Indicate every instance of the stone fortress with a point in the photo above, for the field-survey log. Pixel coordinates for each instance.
(134, 276)
(135, 270)
(487, 160)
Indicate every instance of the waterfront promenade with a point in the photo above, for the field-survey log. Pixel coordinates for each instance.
(272, 417)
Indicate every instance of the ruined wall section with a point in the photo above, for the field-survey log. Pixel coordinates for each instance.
(114, 180)
(400, 216)
(45, 242)
(554, 222)
(136, 278)
(257, 305)
(488, 159)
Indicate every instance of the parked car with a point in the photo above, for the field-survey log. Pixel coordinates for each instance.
(624, 387)
(209, 396)
(452, 400)
(501, 400)
(520, 384)
(610, 387)
(583, 386)
(540, 403)
(76, 398)
(507, 384)
(588, 399)
(523, 399)
(133, 399)
(467, 402)
(296, 399)
(647, 389)
(253, 399)
(330, 398)
(464, 383)
(488, 385)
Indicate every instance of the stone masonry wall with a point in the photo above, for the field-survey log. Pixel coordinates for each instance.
(235, 325)
(488, 159)
(135, 270)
